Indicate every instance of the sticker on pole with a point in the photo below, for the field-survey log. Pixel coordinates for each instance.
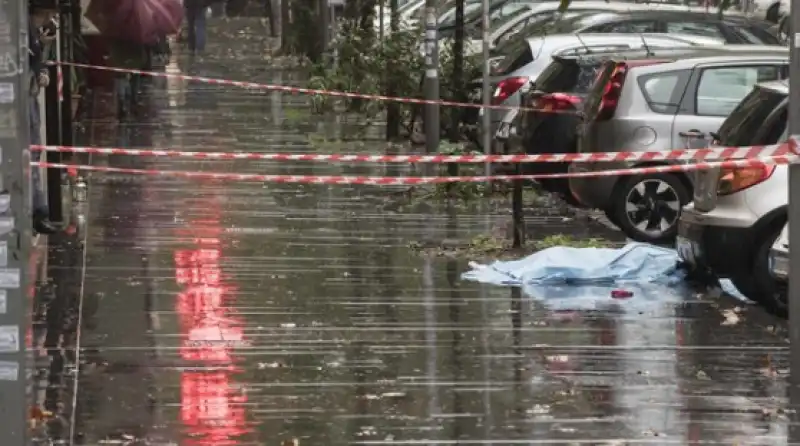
(3, 254)
(3, 302)
(6, 93)
(9, 371)
(9, 338)
(9, 278)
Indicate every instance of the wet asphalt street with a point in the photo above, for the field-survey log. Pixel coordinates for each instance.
(232, 313)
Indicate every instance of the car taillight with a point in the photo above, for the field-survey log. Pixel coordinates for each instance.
(507, 87)
(738, 179)
(611, 92)
(556, 101)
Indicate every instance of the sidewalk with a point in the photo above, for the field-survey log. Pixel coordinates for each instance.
(234, 313)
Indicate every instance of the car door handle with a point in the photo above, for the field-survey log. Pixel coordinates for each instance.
(692, 134)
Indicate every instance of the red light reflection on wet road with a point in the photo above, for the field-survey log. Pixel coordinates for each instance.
(212, 409)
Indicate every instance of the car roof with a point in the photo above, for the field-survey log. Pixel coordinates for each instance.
(600, 38)
(625, 6)
(711, 14)
(693, 52)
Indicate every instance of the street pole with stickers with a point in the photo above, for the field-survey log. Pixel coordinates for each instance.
(794, 224)
(15, 221)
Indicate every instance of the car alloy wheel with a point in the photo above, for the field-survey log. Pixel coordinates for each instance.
(648, 208)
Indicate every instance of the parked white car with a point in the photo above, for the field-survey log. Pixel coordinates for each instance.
(737, 214)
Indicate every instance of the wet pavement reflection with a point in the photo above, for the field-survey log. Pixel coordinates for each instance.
(221, 313)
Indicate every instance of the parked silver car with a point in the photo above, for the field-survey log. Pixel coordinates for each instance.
(526, 59)
(659, 106)
(508, 27)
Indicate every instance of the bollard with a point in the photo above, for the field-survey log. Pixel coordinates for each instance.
(516, 210)
(452, 170)
(517, 217)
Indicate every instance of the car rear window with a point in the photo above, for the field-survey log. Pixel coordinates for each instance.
(518, 53)
(742, 125)
(756, 34)
(567, 75)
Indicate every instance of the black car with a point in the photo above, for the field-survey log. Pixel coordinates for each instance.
(559, 92)
(731, 29)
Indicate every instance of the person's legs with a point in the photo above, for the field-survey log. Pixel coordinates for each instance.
(39, 203)
(191, 27)
(41, 213)
(200, 29)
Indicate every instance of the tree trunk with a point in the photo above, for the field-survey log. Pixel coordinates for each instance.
(392, 108)
(458, 73)
(286, 25)
(269, 10)
(306, 35)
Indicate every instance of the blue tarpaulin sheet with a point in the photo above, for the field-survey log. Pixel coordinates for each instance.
(575, 278)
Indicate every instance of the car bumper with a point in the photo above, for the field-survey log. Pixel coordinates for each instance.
(779, 265)
(594, 192)
(712, 247)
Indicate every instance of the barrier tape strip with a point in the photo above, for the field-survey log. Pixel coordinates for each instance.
(311, 91)
(392, 181)
(663, 155)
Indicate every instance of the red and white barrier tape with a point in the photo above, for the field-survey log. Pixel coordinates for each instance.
(672, 155)
(393, 181)
(311, 91)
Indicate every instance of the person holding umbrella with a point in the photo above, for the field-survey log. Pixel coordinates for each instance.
(41, 13)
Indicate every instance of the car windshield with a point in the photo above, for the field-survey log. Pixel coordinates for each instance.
(582, 21)
(538, 25)
(402, 5)
(472, 10)
(506, 13)
(743, 123)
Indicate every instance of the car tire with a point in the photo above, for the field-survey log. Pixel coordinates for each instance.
(650, 200)
(765, 289)
(611, 215)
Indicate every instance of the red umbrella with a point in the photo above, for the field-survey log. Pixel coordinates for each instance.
(140, 21)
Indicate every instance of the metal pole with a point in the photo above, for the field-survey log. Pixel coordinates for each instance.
(324, 13)
(432, 127)
(486, 122)
(794, 228)
(15, 219)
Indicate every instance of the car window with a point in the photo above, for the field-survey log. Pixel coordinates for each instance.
(742, 125)
(627, 27)
(721, 89)
(695, 28)
(659, 90)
